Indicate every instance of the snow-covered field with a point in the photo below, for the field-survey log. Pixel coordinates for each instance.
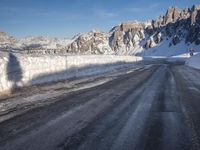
(194, 61)
(24, 70)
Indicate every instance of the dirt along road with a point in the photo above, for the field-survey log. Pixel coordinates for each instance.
(153, 108)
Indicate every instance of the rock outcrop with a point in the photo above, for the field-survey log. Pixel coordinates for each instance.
(94, 42)
(177, 25)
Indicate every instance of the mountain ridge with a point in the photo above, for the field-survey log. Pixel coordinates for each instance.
(177, 26)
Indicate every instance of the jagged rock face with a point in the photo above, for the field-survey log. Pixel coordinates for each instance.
(194, 28)
(126, 36)
(171, 15)
(175, 26)
(148, 44)
(195, 14)
(118, 40)
(175, 40)
(158, 22)
(94, 42)
(157, 37)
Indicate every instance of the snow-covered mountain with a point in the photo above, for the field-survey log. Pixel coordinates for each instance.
(7, 42)
(169, 34)
(93, 42)
(42, 42)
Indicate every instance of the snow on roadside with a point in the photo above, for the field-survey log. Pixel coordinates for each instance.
(22, 70)
(164, 50)
(19, 103)
(194, 61)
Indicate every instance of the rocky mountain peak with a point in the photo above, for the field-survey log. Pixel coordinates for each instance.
(195, 13)
(132, 37)
(196, 7)
(172, 15)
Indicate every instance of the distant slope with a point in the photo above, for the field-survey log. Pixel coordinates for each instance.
(168, 35)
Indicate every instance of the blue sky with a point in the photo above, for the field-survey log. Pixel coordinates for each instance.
(65, 18)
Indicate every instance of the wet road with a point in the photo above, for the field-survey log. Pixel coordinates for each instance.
(154, 108)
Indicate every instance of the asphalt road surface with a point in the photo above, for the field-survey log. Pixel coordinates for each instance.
(153, 108)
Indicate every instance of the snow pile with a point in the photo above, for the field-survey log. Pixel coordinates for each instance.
(163, 50)
(23, 70)
(194, 61)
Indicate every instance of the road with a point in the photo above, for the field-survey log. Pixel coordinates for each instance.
(152, 108)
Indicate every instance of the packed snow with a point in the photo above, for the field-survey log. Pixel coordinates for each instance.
(194, 61)
(25, 70)
(163, 50)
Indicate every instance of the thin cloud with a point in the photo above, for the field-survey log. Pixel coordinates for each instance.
(103, 14)
(60, 16)
(39, 13)
(144, 9)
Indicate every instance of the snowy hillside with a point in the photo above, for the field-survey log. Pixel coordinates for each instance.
(163, 49)
(168, 35)
(194, 61)
(7, 42)
(42, 42)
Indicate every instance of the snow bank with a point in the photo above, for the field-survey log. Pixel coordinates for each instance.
(194, 61)
(163, 50)
(17, 70)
